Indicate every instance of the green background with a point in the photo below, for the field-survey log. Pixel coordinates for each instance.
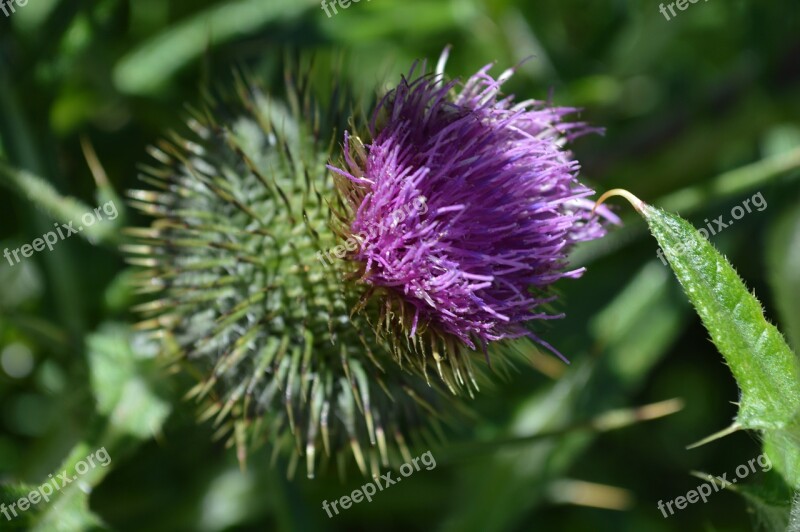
(713, 92)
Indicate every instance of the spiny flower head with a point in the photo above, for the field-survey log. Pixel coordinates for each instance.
(503, 204)
(243, 206)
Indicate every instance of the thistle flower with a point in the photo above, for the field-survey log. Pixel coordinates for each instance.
(464, 206)
(243, 205)
(504, 207)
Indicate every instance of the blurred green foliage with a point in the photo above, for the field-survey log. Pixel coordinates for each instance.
(686, 104)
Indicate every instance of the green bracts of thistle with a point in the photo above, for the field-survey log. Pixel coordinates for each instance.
(243, 206)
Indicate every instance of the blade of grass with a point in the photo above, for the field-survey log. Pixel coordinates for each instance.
(156, 60)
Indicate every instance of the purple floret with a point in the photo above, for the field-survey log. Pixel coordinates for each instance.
(489, 201)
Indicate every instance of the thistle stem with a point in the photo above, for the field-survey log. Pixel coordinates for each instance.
(633, 200)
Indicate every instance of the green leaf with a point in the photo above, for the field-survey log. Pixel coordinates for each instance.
(61, 509)
(146, 68)
(123, 381)
(769, 501)
(69, 508)
(766, 370)
(64, 209)
(781, 448)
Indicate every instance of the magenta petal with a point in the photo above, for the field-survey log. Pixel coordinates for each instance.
(472, 205)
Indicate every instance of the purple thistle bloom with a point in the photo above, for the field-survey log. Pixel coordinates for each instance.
(502, 204)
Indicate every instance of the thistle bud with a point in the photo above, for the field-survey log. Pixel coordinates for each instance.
(244, 293)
